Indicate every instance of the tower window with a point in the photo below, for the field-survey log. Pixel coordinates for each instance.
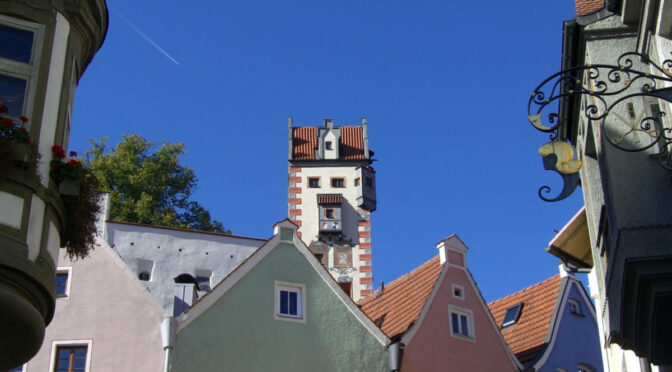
(329, 213)
(328, 145)
(338, 182)
(314, 182)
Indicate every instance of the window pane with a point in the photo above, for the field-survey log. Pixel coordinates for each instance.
(456, 325)
(12, 94)
(465, 326)
(61, 284)
(292, 303)
(16, 44)
(284, 302)
(80, 352)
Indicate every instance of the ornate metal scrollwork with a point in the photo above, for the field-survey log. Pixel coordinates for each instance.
(615, 90)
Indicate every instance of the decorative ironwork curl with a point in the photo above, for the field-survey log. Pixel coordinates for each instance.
(608, 86)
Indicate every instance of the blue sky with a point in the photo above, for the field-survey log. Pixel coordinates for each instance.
(444, 86)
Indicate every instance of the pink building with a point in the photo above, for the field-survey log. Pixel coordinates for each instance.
(438, 313)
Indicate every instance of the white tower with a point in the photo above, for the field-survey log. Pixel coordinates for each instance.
(332, 192)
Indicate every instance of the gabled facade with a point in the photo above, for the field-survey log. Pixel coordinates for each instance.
(280, 310)
(437, 315)
(611, 104)
(331, 194)
(105, 319)
(551, 326)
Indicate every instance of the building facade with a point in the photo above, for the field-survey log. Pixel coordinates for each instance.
(613, 106)
(437, 316)
(331, 194)
(280, 310)
(46, 48)
(551, 326)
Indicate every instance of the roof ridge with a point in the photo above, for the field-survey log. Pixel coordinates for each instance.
(490, 304)
(395, 281)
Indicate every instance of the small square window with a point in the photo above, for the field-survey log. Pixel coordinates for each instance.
(144, 276)
(314, 182)
(63, 282)
(289, 301)
(203, 280)
(338, 182)
(329, 145)
(458, 291)
(574, 306)
(329, 213)
(461, 323)
(357, 181)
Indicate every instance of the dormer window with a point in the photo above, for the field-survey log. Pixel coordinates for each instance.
(512, 315)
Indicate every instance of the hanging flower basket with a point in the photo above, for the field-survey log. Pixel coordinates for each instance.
(15, 147)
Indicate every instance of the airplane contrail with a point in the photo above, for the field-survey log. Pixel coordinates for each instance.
(147, 38)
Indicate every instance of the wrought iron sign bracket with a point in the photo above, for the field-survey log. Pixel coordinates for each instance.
(615, 92)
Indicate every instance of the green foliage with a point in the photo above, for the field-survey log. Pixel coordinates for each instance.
(148, 185)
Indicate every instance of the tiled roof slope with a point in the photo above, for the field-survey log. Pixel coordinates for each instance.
(304, 143)
(352, 143)
(584, 7)
(526, 336)
(401, 301)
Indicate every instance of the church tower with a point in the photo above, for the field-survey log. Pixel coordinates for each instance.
(331, 194)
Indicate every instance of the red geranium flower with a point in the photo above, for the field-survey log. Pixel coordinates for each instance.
(7, 122)
(74, 163)
(58, 151)
(3, 108)
(23, 119)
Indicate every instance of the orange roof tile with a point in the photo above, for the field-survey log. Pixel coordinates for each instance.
(329, 199)
(527, 335)
(352, 143)
(304, 143)
(401, 301)
(584, 7)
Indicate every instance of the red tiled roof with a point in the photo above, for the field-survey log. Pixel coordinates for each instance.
(584, 7)
(329, 199)
(401, 301)
(527, 335)
(304, 143)
(352, 143)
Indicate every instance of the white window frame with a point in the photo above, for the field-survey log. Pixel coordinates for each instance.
(22, 70)
(56, 344)
(453, 287)
(292, 287)
(470, 323)
(66, 270)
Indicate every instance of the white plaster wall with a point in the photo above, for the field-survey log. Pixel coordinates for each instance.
(12, 213)
(351, 214)
(177, 251)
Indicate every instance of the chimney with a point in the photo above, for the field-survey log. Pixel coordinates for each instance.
(365, 138)
(290, 126)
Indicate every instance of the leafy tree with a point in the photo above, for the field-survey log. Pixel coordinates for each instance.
(148, 184)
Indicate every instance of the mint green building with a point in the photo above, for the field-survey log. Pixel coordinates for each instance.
(280, 310)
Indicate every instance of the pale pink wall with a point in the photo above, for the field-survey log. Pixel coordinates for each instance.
(432, 348)
(107, 307)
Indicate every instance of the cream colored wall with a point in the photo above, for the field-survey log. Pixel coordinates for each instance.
(350, 214)
(110, 309)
